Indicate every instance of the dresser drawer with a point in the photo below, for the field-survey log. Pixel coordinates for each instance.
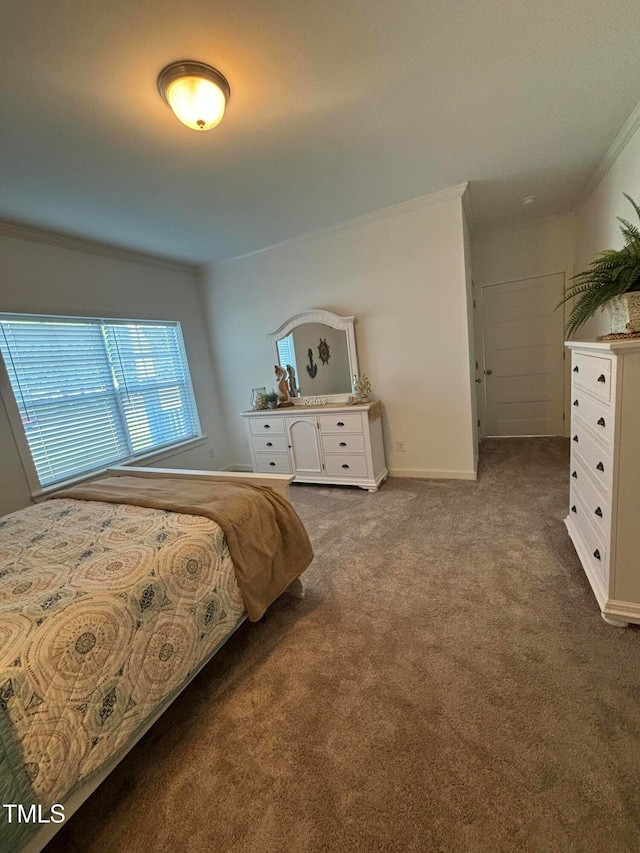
(595, 414)
(340, 423)
(261, 426)
(595, 504)
(343, 444)
(593, 373)
(273, 463)
(345, 466)
(596, 458)
(269, 443)
(594, 542)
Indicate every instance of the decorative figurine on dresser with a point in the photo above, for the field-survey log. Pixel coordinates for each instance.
(604, 505)
(334, 442)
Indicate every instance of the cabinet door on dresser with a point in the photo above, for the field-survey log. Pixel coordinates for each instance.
(304, 445)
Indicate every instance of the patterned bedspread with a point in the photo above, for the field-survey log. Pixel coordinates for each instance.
(105, 609)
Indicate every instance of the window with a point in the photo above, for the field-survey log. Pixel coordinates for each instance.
(91, 393)
(287, 353)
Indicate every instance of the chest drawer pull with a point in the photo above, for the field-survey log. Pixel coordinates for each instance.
(345, 466)
(575, 475)
(343, 444)
(273, 464)
(602, 378)
(573, 508)
(267, 426)
(596, 554)
(601, 422)
(576, 403)
(340, 423)
(575, 438)
(269, 444)
(576, 369)
(600, 467)
(598, 512)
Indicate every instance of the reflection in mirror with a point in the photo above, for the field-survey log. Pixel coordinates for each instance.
(320, 348)
(305, 349)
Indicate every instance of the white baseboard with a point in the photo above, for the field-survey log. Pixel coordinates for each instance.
(416, 473)
(420, 474)
(622, 610)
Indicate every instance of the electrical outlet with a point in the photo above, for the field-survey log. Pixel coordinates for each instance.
(400, 446)
(212, 453)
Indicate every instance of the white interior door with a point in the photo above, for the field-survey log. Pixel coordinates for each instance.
(523, 348)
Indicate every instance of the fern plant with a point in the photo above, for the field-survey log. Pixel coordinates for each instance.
(614, 272)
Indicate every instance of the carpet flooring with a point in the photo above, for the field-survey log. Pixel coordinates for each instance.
(447, 684)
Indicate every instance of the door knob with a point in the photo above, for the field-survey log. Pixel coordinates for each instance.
(488, 372)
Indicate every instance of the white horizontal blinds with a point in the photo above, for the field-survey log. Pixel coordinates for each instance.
(286, 352)
(91, 393)
(63, 385)
(153, 383)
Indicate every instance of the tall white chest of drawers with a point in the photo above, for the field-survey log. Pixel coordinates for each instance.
(604, 503)
(331, 444)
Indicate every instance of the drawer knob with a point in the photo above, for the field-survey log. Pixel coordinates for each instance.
(576, 403)
(267, 426)
(598, 512)
(269, 444)
(575, 438)
(600, 466)
(273, 464)
(602, 378)
(345, 466)
(340, 423)
(596, 554)
(576, 369)
(601, 422)
(575, 475)
(343, 444)
(573, 508)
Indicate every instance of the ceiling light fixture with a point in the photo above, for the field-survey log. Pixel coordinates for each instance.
(527, 200)
(197, 93)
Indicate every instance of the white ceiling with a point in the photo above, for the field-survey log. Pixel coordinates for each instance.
(338, 108)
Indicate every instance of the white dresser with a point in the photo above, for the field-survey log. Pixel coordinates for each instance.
(334, 443)
(604, 504)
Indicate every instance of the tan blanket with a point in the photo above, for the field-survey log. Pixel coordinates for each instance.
(267, 541)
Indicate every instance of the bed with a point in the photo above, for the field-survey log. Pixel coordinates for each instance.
(113, 595)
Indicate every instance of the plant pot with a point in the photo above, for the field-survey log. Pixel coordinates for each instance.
(624, 313)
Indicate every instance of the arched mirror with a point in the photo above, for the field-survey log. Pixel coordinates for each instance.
(320, 347)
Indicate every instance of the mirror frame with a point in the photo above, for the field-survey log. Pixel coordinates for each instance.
(319, 315)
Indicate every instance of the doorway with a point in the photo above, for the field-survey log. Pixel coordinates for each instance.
(523, 356)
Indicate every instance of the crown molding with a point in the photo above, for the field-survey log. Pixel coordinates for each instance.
(420, 203)
(77, 244)
(615, 149)
(468, 209)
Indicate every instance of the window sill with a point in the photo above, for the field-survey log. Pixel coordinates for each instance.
(153, 456)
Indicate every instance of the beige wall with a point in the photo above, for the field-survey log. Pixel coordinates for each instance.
(597, 227)
(403, 276)
(542, 247)
(47, 279)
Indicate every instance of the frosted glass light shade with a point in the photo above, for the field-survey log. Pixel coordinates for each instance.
(196, 93)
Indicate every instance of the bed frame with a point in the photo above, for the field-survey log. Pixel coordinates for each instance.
(279, 483)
